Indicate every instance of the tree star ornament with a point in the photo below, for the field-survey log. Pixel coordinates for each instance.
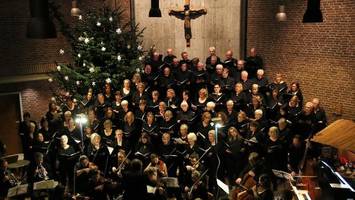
(118, 31)
(61, 51)
(59, 68)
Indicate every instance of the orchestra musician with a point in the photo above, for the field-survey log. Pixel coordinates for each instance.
(7, 179)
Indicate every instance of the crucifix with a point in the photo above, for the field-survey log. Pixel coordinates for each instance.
(187, 15)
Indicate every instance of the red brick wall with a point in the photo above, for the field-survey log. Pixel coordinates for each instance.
(320, 56)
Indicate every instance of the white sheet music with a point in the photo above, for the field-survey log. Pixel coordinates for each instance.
(151, 189)
(223, 186)
(110, 149)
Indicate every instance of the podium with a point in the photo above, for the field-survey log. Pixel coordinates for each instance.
(17, 191)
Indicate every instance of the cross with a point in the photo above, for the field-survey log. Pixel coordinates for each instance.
(187, 15)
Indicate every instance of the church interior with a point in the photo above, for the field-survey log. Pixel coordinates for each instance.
(177, 99)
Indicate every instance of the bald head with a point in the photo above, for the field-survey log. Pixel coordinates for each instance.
(169, 51)
(315, 103)
(229, 54)
(253, 52)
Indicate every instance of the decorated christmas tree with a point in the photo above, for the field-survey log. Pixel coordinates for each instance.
(106, 50)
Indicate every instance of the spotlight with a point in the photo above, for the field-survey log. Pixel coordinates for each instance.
(75, 11)
(281, 15)
(313, 12)
(40, 26)
(154, 9)
(81, 119)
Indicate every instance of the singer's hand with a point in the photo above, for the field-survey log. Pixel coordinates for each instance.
(238, 180)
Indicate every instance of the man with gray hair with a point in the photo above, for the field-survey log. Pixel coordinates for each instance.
(261, 80)
(212, 51)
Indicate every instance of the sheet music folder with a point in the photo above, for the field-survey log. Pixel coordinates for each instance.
(45, 185)
(17, 190)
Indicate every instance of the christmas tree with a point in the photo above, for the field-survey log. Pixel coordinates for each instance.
(106, 50)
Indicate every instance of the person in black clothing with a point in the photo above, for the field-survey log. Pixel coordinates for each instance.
(211, 67)
(212, 51)
(183, 78)
(169, 58)
(134, 182)
(296, 151)
(185, 59)
(108, 134)
(6, 180)
(235, 154)
(140, 94)
(276, 154)
(166, 81)
(83, 168)
(245, 81)
(262, 190)
(253, 63)
(98, 153)
(320, 116)
(230, 62)
(53, 116)
(66, 156)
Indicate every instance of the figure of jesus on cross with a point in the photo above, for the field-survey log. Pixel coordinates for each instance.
(187, 15)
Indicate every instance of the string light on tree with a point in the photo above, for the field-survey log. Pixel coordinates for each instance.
(61, 51)
(139, 47)
(92, 70)
(93, 83)
(77, 82)
(103, 48)
(80, 17)
(110, 19)
(50, 80)
(66, 78)
(128, 46)
(119, 58)
(79, 55)
(98, 24)
(108, 80)
(81, 38)
(59, 68)
(118, 31)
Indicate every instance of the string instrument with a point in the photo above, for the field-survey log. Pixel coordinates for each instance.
(195, 185)
(122, 165)
(307, 172)
(240, 193)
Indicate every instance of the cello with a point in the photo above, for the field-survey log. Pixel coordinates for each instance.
(240, 193)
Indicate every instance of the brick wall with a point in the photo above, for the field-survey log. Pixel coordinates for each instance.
(20, 55)
(320, 56)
